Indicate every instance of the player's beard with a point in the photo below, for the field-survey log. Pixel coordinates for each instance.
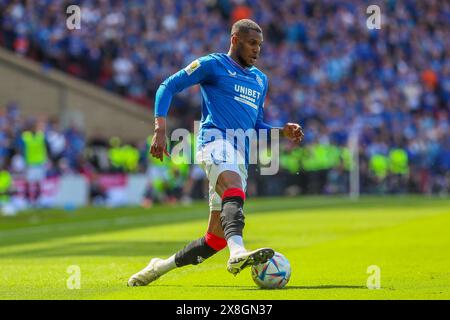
(244, 62)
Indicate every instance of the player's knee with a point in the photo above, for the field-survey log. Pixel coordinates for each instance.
(228, 180)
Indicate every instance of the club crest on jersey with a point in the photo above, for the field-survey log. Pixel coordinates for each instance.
(194, 65)
(260, 81)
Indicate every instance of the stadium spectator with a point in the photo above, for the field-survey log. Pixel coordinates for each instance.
(328, 71)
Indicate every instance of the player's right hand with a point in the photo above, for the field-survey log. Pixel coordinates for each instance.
(159, 148)
(294, 132)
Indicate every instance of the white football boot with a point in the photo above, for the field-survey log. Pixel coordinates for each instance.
(146, 275)
(243, 260)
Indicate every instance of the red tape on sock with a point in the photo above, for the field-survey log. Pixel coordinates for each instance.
(215, 242)
(234, 192)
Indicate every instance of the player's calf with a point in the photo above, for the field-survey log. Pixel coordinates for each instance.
(199, 250)
(232, 215)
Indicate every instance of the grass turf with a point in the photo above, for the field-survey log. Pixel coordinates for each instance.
(329, 241)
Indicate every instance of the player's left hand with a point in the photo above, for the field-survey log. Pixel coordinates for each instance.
(293, 131)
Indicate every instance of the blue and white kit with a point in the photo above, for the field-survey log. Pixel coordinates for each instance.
(232, 99)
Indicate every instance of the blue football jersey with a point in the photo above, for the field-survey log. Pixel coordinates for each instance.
(232, 96)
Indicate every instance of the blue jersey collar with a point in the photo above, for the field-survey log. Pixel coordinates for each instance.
(237, 65)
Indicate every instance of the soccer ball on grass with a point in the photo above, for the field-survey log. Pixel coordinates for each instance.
(274, 274)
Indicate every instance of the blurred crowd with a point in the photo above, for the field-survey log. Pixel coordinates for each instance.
(326, 69)
(65, 147)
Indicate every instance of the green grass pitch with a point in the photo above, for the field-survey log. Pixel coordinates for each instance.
(330, 242)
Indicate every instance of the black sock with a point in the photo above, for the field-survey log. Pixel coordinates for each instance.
(232, 216)
(194, 253)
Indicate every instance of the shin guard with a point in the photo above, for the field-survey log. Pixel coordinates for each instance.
(232, 215)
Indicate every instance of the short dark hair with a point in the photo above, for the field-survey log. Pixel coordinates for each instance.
(244, 26)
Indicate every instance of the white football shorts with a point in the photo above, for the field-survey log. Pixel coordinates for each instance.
(216, 157)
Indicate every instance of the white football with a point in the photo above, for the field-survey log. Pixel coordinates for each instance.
(274, 274)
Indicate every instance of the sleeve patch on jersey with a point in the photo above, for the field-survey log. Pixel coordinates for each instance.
(192, 67)
(260, 81)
